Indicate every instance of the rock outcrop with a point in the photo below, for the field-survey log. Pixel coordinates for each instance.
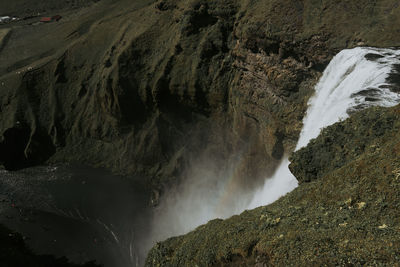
(149, 87)
(14, 253)
(344, 213)
(152, 87)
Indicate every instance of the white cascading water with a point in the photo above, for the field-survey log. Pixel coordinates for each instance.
(354, 79)
(5, 19)
(350, 82)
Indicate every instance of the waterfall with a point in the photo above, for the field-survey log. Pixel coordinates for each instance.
(354, 79)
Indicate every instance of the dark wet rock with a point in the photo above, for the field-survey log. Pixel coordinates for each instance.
(373, 57)
(78, 207)
(394, 79)
(371, 99)
(138, 102)
(367, 92)
(345, 213)
(14, 253)
(18, 149)
(153, 88)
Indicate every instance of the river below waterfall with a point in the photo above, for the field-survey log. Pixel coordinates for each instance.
(78, 212)
(355, 79)
(85, 214)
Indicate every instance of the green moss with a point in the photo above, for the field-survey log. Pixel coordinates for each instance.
(346, 214)
(343, 142)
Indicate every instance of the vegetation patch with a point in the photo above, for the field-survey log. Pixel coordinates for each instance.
(345, 210)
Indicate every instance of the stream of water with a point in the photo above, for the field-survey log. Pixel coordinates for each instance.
(86, 214)
(354, 79)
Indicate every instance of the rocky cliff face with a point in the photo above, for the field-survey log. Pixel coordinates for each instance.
(152, 87)
(148, 87)
(344, 212)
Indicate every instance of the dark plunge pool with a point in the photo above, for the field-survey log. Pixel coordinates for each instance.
(79, 212)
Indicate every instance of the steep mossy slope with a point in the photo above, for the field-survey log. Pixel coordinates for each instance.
(151, 87)
(344, 142)
(345, 213)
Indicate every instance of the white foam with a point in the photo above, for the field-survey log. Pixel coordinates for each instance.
(339, 91)
(198, 200)
(348, 73)
(6, 19)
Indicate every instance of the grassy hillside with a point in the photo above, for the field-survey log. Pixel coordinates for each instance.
(345, 214)
(150, 86)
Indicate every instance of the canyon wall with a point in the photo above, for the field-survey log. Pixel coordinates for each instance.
(153, 87)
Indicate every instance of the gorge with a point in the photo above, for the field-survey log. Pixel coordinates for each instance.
(129, 122)
(355, 79)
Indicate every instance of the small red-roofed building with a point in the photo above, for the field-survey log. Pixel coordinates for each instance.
(46, 19)
(50, 19)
